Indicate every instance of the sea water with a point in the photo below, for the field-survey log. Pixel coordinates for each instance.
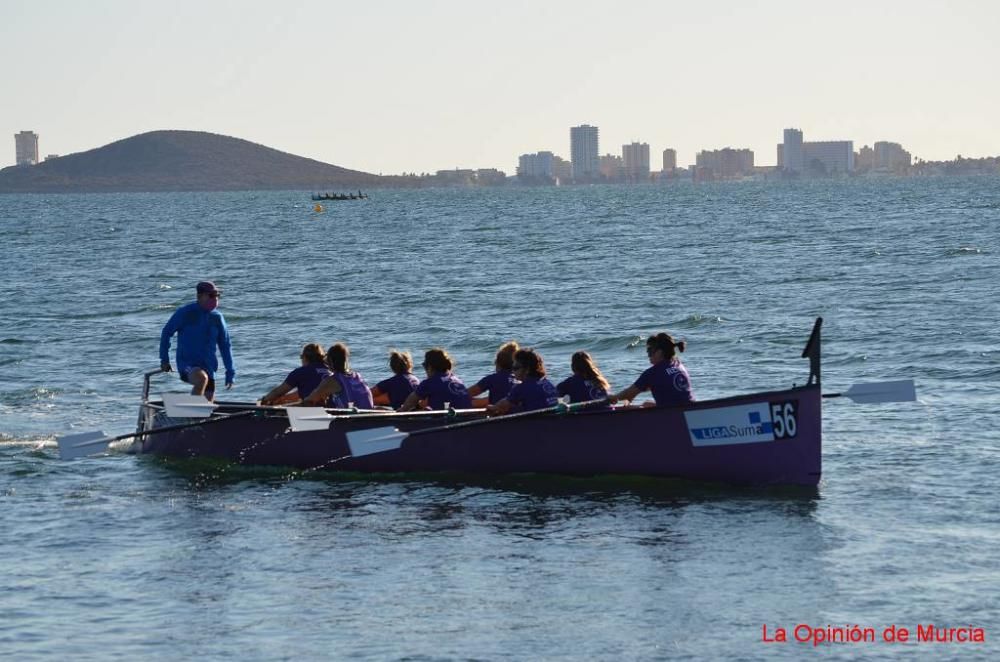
(124, 557)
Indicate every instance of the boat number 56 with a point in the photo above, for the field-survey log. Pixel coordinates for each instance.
(783, 419)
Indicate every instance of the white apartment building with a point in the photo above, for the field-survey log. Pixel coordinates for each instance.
(635, 159)
(536, 166)
(669, 160)
(815, 158)
(726, 163)
(584, 153)
(791, 156)
(828, 157)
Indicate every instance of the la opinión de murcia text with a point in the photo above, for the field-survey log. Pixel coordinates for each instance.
(856, 634)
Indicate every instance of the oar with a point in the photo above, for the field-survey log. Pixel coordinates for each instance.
(182, 405)
(903, 390)
(308, 419)
(377, 440)
(91, 443)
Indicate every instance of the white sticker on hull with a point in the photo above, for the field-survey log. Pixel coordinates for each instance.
(743, 424)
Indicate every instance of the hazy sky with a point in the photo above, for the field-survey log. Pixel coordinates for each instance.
(426, 85)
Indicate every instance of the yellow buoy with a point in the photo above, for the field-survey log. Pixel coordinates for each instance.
(318, 208)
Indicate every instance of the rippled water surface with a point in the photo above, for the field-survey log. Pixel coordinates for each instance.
(121, 557)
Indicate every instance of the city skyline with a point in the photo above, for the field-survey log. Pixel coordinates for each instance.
(424, 88)
(812, 158)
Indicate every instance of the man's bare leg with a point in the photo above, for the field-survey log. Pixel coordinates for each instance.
(199, 380)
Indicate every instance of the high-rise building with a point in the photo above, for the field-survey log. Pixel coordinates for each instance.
(791, 152)
(584, 153)
(26, 147)
(612, 168)
(635, 159)
(828, 157)
(727, 163)
(536, 168)
(669, 160)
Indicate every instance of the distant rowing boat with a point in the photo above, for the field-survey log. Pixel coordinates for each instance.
(339, 196)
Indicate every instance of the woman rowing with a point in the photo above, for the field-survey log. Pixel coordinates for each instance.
(497, 383)
(303, 380)
(666, 378)
(344, 388)
(441, 389)
(396, 389)
(534, 391)
(587, 382)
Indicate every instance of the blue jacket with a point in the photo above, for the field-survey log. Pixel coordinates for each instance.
(199, 332)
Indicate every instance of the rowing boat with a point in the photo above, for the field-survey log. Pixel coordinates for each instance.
(769, 438)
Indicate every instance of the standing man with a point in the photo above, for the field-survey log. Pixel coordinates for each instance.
(200, 328)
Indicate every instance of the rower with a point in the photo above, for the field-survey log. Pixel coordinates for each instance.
(667, 377)
(441, 389)
(345, 388)
(497, 383)
(303, 380)
(587, 382)
(396, 389)
(534, 391)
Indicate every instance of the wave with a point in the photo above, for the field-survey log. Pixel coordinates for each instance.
(34, 441)
(29, 395)
(595, 343)
(697, 321)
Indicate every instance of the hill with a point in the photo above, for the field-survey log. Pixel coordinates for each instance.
(183, 161)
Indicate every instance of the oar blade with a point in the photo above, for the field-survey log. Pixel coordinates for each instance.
(903, 390)
(375, 440)
(308, 419)
(185, 405)
(72, 446)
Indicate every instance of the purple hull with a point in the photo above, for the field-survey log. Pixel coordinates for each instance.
(762, 438)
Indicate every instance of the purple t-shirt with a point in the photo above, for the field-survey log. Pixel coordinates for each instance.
(533, 394)
(307, 378)
(352, 389)
(668, 381)
(398, 387)
(498, 384)
(581, 390)
(440, 389)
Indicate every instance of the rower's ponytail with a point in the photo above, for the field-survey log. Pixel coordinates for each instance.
(666, 343)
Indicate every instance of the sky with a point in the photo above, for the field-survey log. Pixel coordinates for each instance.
(392, 87)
